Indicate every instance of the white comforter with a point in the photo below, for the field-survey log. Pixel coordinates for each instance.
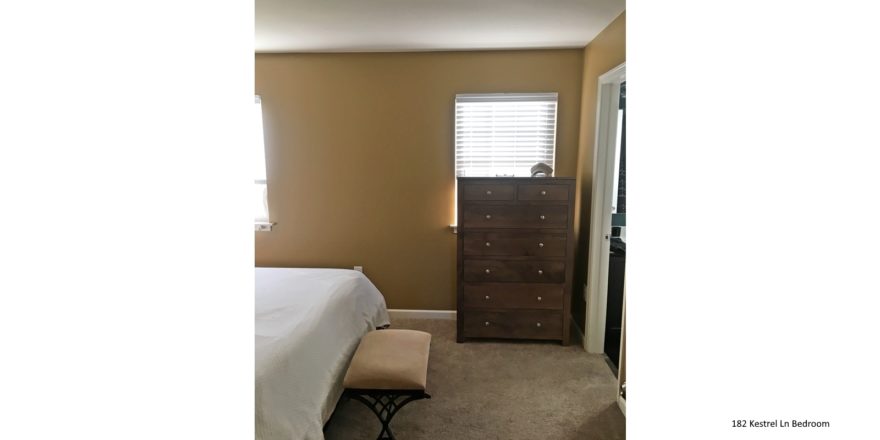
(308, 324)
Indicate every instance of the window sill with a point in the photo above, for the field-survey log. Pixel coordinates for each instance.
(263, 226)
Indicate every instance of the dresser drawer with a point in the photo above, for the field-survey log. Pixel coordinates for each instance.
(542, 192)
(530, 324)
(514, 216)
(515, 244)
(488, 191)
(512, 296)
(514, 271)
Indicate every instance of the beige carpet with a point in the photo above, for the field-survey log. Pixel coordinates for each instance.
(498, 390)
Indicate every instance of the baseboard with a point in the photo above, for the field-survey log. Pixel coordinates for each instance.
(421, 314)
(621, 402)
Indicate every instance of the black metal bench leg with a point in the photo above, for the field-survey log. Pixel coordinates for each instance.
(385, 405)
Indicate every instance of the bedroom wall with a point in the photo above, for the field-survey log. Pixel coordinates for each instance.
(360, 157)
(606, 51)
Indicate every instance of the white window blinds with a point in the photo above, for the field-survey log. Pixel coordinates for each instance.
(504, 134)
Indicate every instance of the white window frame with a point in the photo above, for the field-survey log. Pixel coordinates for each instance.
(261, 222)
(464, 98)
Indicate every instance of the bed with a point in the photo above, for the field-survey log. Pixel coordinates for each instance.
(308, 325)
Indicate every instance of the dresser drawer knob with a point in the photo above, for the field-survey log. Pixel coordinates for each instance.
(488, 216)
(488, 192)
(540, 272)
(487, 297)
(486, 323)
(488, 271)
(539, 299)
(540, 244)
(488, 244)
(539, 324)
(543, 192)
(543, 217)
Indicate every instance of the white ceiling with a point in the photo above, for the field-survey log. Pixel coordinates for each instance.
(416, 25)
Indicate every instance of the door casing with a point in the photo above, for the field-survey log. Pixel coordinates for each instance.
(600, 212)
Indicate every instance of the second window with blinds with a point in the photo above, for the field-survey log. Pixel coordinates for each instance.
(504, 134)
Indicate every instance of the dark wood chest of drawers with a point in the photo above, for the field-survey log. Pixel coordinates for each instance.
(515, 249)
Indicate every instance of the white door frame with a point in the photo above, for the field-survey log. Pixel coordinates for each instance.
(600, 213)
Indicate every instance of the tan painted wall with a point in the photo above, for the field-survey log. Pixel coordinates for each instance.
(605, 52)
(360, 157)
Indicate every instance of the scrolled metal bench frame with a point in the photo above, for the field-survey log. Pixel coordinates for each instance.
(384, 404)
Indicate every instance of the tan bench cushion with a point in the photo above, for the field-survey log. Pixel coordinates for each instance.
(390, 360)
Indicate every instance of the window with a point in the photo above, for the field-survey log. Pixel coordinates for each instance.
(261, 203)
(504, 134)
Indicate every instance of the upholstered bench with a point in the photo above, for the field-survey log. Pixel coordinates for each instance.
(389, 365)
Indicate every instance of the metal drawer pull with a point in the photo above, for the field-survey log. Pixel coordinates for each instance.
(542, 217)
(539, 324)
(540, 272)
(539, 299)
(487, 323)
(543, 193)
(487, 296)
(488, 216)
(488, 244)
(488, 271)
(540, 244)
(488, 192)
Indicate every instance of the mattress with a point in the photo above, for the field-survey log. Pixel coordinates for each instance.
(308, 325)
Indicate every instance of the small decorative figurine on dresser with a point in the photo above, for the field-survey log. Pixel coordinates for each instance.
(541, 169)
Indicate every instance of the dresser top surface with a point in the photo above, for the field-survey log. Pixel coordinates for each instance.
(514, 179)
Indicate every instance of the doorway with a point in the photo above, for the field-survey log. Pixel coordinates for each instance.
(617, 247)
(607, 239)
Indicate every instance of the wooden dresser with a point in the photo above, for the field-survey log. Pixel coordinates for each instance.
(515, 250)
